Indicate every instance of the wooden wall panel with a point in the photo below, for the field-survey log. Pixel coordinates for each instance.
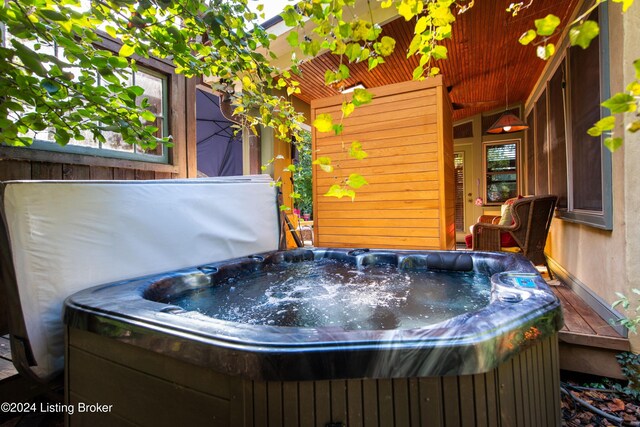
(46, 171)
(408, 204)
(522, 391)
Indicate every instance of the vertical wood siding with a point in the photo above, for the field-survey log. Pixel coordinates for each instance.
(158, 390)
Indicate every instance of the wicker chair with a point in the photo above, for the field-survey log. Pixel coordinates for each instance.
(532, 218)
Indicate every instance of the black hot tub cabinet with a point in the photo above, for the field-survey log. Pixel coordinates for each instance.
(157, 364)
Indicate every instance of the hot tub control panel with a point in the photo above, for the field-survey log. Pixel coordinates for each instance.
(515, 287)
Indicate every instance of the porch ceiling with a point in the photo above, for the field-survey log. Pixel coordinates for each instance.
(475, 69)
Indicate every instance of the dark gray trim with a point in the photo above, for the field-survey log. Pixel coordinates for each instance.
(39, 144)
(600, 306)
(271, 22)
(597, 220)
(20, 153)
(605, 93)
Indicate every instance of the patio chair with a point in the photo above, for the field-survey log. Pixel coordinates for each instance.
(531, 221)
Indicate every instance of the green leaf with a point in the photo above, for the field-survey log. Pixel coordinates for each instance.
(347, 108)
(417, 73)
(613, 143)
(324, 163)
(29, 58)
(410, 8)
(581, 35)
(527, 37)
(338, 129)
(356, 152)
(634, 126)
(290, 16)
(339, 192)
(421, 25)
(291, 168)
(324, 123)
(292, 39)
(602, 125)
(386, 46)
(364, 54)
(118, 62)
(51, 87)
(353, 51)
(126, 50)
(330, 77)
(356, 181)
(373, 62)
(344, 30)
(53, 15)
(137, 90)
(439, 52)
(547, 25)
(634, 88)
(625, 4)
(148, 116)
(415, 44)
(636, 65)
(343, 72)
(361, 97)
(284, 208)
(545, 52)
(620, 103)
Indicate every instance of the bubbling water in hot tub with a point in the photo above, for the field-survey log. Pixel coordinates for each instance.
(332, 293)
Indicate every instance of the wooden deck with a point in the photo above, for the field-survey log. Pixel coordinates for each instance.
(588, 343)
(6, 366)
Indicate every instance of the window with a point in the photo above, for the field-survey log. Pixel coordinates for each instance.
(541, 148)
(155, 89)
(584, 110)
(579, 166)
(458, 163)
(501, 170)
(531, 158)
(557, 139)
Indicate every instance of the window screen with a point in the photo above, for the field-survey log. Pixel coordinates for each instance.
(501, 162)
(557, 139)
(584, 74)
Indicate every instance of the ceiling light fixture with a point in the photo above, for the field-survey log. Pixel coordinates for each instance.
(508, 122)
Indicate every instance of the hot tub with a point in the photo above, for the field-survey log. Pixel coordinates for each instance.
(315, 337)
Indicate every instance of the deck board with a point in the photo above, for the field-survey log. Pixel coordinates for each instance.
(582, 325)
(5, 347)
(6, 365)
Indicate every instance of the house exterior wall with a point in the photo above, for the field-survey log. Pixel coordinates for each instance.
(606, 262)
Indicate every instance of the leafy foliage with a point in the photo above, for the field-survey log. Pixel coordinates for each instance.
(629, 362)
(630, 366)
(632, 322)
(86, 87)
(302, 184)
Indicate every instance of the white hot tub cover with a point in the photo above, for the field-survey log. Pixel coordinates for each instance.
(67, 236)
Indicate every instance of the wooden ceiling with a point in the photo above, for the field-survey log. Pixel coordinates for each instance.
(475, 68)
